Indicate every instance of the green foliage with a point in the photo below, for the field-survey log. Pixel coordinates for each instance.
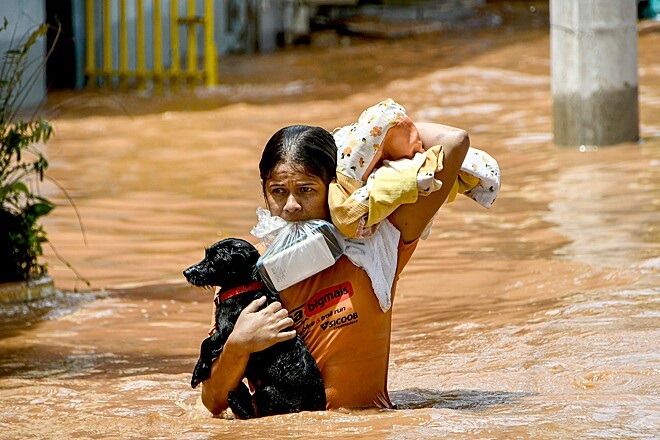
(22, 167)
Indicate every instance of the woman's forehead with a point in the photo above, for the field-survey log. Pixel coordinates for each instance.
(291, 172)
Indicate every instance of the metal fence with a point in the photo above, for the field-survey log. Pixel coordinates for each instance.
(150, 44)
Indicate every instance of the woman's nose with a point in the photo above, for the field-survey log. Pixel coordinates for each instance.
(292, 204)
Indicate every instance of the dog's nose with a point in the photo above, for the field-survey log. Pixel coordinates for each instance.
(188, 272)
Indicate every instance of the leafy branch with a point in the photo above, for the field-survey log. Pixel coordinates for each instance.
(22, 164)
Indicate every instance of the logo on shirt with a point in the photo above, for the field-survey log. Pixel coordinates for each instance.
(327, 298)
(297, 314)
(342, 321)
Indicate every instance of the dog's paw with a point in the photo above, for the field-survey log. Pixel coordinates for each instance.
(194, 382)
(240, 402)
(201, 372)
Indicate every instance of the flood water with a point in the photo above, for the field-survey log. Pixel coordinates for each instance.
(537, 318)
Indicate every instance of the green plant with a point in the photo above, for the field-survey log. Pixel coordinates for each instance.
(22, 167)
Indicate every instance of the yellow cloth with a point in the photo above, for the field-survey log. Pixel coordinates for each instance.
(464, 183)
(398, 182)
(347, 205)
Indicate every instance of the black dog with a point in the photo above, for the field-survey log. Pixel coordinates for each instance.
(285, 376)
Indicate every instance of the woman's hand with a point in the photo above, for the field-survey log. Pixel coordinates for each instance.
(256, 330)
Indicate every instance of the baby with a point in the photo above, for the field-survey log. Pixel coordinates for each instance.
(381, 165)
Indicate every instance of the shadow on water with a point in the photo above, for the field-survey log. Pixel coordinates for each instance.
(472, 400)
(102, 335)
(16, 317)
(44, 361)
(181, 292)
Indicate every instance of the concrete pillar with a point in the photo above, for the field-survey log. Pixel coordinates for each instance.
(594, 71)
(269, 16)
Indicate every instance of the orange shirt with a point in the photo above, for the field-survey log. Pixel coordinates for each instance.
(337, 314)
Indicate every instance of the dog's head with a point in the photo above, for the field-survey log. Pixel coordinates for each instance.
(227, 263)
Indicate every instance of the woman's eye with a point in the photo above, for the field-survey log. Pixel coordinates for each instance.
(306, 189)
(277, 191)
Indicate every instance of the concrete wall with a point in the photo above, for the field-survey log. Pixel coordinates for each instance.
(24, 16)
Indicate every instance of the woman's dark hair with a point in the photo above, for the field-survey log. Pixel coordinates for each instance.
(312, 149)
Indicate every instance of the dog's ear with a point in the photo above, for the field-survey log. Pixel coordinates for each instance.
(246, 253)
(241, 258)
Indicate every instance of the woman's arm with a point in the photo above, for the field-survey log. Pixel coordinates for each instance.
(255, 330)
(411, 219)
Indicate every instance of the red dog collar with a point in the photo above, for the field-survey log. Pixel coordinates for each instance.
(254, 285)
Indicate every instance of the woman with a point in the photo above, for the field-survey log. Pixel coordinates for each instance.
(347, 332)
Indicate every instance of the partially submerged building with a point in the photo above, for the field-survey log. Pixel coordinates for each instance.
(148, 44)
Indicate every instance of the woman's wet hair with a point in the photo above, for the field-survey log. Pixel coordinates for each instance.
(312, 149)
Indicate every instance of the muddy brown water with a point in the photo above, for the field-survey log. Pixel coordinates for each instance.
(537, 318)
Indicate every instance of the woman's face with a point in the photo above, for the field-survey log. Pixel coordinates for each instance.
(296, 196)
